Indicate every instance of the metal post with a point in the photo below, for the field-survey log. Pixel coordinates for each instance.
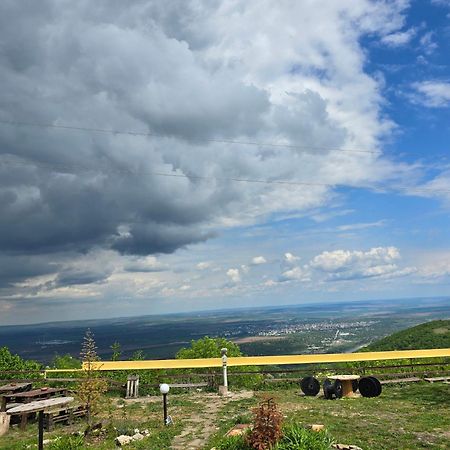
(165, 408)
(41, 431)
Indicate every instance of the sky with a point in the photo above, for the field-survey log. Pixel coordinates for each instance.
(162, 157)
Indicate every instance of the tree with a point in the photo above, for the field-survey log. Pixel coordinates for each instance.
(91, 388)
(116, 351)
(66, 362)
(208, 348)
(11, 362)
(138, 355)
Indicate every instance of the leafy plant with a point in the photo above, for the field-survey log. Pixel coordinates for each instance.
(67, 443)
(267, 426)
(116, 351)
(297, 437)
(234, 443)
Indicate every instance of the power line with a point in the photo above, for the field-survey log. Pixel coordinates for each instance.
(221, 141)
(76, 168)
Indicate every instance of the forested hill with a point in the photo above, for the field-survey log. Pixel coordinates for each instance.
(435, 334)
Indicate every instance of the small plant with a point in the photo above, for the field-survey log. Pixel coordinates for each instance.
(66, 443)
(233, 443)
(297, 437)
(267, 426)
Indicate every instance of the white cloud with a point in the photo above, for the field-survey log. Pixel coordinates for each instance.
(433, 94)
(258, 260)
(234, 275)
(290, 258)
(427, 43)
(399, 38)
(295, 274)
(361, 226)
(347, 264)
(203, 265)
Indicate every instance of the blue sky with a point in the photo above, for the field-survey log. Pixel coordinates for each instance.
(347, 103)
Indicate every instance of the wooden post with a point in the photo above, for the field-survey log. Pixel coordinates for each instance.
(41, 431)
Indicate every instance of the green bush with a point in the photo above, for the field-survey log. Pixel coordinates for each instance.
(11, 362)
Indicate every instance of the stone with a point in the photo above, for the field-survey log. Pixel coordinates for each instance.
(223, 390)
(238, 429)
(346, 447)
(137, 437)
(123, 439)
(317, 427)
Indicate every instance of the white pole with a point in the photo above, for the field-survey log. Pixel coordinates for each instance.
(224, 366)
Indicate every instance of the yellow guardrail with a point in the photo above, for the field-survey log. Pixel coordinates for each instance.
(264, 360)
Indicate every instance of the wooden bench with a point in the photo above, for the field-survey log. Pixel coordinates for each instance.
(63, 415)
(432, 380)
(188, 385)
(401, 380)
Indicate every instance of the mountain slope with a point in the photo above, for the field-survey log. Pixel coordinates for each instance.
(434, 334)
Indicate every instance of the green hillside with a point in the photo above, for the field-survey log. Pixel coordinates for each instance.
(435, 334)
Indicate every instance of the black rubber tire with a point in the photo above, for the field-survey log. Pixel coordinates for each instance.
(378, 385)
(368, 387)
(338, 390)
(328, 389)
(310, 386)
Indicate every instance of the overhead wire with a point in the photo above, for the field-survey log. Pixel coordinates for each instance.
(159, 135)
(69, 168)
(203, 177)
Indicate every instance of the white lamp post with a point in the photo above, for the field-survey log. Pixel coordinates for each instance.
(164, 389)
(223, 390)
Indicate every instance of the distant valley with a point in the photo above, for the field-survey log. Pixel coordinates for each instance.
(307, 328)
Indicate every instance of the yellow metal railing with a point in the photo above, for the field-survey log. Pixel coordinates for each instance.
(264, 360)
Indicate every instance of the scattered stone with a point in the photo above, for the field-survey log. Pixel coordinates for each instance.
(238, 429)
(47, 441)
(146, 432)
(136, 430)
(317, 427)
(123, 439)
(137, 437)
(346, 447)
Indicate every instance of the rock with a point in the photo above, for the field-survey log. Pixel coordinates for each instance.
(146, 432)
(238, 429)
(346, 447)
(137, 437)
(123, 439)
(317, 427)
(47, 441)
(136, 430)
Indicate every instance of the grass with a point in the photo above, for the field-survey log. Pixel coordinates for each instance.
(409, 416)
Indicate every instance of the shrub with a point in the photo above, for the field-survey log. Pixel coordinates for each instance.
(267, 423)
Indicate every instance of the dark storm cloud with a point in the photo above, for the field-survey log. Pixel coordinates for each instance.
(106, 65)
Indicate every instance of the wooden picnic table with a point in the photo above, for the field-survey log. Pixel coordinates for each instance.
(29, 396)
(40, 406)
(14, 387)
(347, 383)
